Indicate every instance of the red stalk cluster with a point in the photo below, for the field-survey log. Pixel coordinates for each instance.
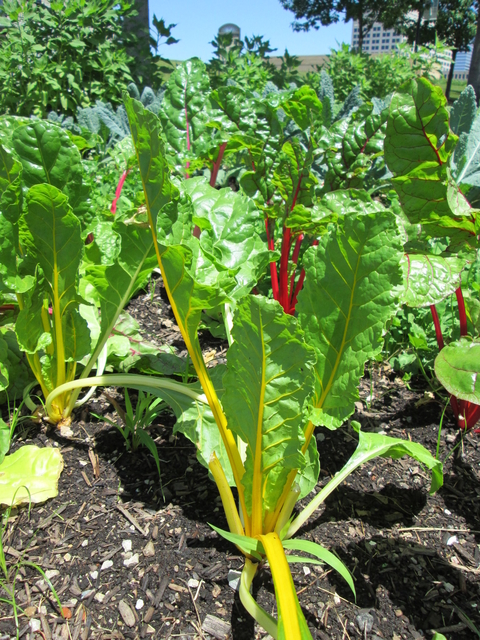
(466, 413)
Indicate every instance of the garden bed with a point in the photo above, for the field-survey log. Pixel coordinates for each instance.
(130, 561)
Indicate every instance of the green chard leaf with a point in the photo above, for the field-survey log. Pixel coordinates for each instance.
(268, 382)
(347, 298)
(150, 149)
(30, 475)
(10, 210)
(184, 112)
(457, 367)
(418, 145)
(48, 156)
(430, 279)
(54, 243)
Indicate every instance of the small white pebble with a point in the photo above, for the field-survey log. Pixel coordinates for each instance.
(83, 463)
(452, 540)
(127, 545)
(192, 583)
(447, 512)
(139, 604)
(35, 625)
(306, 571)
(67, 557)
(94, 575)
(99, 597)
(51, 573)
(106, 565)
(131, 562)
(85, 543)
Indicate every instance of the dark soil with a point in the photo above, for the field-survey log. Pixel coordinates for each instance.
(415, 557)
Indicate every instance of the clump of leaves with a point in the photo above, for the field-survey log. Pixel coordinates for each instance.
(59, 56)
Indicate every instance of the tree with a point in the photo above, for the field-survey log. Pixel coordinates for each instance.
(410, 17)
(454, 23)
(311, 14)
(474, 73)
(137, 29)
(456, 26)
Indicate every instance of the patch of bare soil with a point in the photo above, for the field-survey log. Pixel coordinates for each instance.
(132, 558)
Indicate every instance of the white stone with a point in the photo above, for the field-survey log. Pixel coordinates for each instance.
(131, 562)
(127, 545)
(234, 579)
(35, 625)
(94, 575)
(452, 540)
(106, 565)
(51, 573)
(192, 583)
(139, 604)
(306, 571)
(85, 543)
(99, 597)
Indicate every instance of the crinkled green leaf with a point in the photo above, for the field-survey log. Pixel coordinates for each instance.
(292, 178)
(10, 210)
(463, 111)
(304, 107)
(127, 350)
(347, 298)
(30, 475)
(232, 232)
(430, 279)
(14, 366)
(457, 366)
(269, 378)
(354, 144)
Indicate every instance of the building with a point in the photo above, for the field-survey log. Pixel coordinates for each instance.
(230, 28)
(462, 64)
(377, 40)
(380, 40)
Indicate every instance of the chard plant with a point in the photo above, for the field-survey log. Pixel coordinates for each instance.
(253, 420)
(46, 269)
(434, 157)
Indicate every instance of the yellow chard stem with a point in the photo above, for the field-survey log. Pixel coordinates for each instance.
(284, 588)
(228, 501)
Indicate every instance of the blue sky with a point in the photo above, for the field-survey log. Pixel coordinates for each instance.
(198, 22)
